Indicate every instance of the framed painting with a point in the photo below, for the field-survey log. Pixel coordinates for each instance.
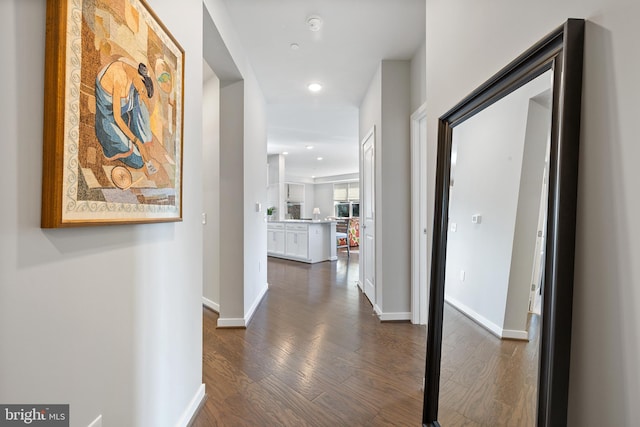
(113, 115)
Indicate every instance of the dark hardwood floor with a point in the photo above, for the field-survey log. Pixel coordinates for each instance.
(316, 355)
(313, 355)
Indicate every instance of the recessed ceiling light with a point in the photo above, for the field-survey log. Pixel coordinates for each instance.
(309, 147)
(319, 158)
(313, 176)
(294, 46)
(315, 87)
(284, 153)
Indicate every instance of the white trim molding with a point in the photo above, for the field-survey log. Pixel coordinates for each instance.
(193, 407)
(376, 309)
(231, 322)
(419, 220)
(237, 322)
(515, 335)
(390, 317)
(249, 315)
(486, 323)
(211, 305)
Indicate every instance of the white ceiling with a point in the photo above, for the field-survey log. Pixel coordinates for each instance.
(344, 55)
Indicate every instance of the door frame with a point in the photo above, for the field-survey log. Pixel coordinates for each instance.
(419, 224)
(361, 283)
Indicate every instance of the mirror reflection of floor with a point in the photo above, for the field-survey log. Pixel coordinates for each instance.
(485, 380)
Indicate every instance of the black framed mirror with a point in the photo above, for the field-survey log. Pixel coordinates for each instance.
(529, 184)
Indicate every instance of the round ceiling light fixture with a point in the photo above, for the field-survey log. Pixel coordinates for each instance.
(319, 158)
(314, 22)
(309, 147)
(294, 46)
(315, 87)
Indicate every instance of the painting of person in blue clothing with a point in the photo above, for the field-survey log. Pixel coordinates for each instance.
(124, 93)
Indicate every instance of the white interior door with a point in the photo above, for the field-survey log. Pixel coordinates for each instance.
(419, 288)
(368, 216)
(538, 261)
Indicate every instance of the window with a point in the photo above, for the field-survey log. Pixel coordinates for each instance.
(346, 199)
(342, 210)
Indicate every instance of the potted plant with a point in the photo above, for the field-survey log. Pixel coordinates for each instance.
(270, 212)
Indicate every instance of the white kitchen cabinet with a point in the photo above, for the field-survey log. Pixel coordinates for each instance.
(306, 241)
(297, 240)
(275, 239)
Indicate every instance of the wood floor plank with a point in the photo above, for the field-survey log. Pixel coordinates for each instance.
(486, 380)
(316, 355)
(313, 342)
(352, 410)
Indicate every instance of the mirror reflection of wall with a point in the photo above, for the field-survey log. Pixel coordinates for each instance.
(497, 194)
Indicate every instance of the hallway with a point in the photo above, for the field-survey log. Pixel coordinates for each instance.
(314, 354)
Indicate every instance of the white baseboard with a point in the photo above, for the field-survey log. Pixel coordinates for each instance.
(390, 317)
(192, 409)
(249, 315)
(360, 285)
(211, 305)
(377, 310)
(231, 322)
(238, 322)
(475, 316)
(515, 334)
(486, 323)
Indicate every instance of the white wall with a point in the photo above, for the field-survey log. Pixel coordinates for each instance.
(232, 231)
(393, 203)
(255, 226)
(275, 191)
(309, 200)
(481, 39)
(323, 199)
(387, 106)
(107, 319)
(211, 190)
(418, 78)
(525, 233)
(243, 151)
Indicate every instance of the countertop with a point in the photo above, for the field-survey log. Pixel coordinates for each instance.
(304, 221)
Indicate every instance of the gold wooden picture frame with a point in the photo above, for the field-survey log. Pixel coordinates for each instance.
(106, 165)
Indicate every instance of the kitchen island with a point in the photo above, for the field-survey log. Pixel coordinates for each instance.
(302, 240)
